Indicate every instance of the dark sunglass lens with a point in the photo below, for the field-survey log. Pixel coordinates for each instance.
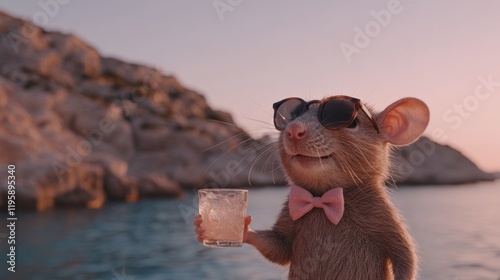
(287, 112)
(337, 113)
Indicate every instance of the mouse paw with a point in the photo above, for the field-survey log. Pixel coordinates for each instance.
(199, 230)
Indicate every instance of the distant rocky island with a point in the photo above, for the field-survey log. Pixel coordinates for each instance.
(82, 129)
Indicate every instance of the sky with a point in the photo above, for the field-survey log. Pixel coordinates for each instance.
(245, 55)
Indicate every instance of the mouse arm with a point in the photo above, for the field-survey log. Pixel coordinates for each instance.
(275, 244)
(398, 245)
(403, 257)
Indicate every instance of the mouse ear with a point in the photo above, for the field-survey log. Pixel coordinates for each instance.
(402, 122)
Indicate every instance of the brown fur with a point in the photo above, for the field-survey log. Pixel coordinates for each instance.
(371, 240)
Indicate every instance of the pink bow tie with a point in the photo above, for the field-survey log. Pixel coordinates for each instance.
(301, 201)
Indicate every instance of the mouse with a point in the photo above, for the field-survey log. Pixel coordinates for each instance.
(338, 221)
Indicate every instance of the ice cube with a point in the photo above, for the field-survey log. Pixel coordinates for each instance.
(211, 196)
(213, 216)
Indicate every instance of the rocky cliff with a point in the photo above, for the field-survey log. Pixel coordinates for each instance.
(81, 129)
(426, 162)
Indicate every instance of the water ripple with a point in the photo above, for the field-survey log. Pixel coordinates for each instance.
(457, 230)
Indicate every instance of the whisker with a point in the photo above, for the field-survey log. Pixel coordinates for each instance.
(365, 159)
(222, 122)
(226, 152)
(276, 169)
(271, 125)
(253, 164)
(320, 161)
(348, 171)
(262, 108)
(230, 138)
(351, 172)
(264, 147)
(272, 155)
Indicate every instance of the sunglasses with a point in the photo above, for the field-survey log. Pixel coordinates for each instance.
(334, 112)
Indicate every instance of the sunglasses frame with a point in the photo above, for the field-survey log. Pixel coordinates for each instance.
(357, 106)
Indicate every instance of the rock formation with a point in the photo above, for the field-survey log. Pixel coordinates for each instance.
(426, 162)
(82, 129)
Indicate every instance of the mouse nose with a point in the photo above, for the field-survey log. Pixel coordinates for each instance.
(296, 131)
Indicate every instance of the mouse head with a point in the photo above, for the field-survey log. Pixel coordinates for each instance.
(338, 142)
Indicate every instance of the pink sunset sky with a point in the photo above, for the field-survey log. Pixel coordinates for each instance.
(245, 55)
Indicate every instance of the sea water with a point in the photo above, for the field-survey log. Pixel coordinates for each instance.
(457, 229)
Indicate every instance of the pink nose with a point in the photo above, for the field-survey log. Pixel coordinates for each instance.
(296, 131)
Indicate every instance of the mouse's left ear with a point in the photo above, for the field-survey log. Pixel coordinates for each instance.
(402, 122)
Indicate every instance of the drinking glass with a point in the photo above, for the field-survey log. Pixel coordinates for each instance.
(223, 213)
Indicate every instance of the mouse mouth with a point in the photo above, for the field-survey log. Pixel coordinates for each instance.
(299, 156)
(310, 160)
